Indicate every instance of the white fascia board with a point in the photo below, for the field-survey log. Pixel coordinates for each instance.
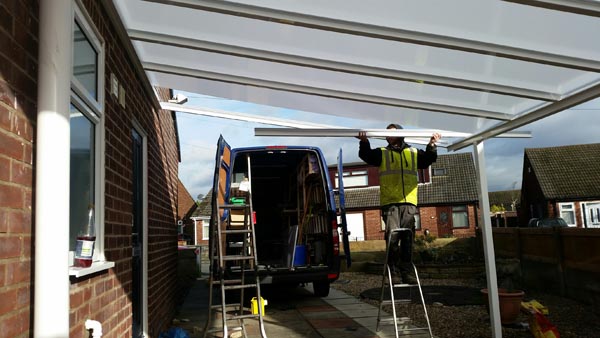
(297, 60)
(583, 7)
(325, 92)
(386, 33)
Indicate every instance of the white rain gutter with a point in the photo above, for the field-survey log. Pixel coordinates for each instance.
(51, 281)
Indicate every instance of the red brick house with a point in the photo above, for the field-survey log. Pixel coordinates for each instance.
(562, 182)
(447, 198)
(81, 127)
(186, 205)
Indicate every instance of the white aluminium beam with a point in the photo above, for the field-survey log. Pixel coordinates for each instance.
(488, 241)
(359, 69)
(291, 87)
(386, 33)
(348, 132)
(583, 7)
(526, 118)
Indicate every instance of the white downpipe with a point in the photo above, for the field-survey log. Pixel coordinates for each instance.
(488, 242)
(51, 290)
(95, 326)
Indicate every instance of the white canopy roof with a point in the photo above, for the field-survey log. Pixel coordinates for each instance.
(482, 67)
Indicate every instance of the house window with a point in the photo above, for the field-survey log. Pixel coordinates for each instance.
(439, 172)
(460, 217)
(417, 221)
(205, 230)
(567, 212)
(86, 130)
(424, 175)
(353, 178)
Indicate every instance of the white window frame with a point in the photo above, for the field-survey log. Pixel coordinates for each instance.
(562, 207)
(349, 178)
(94, 110)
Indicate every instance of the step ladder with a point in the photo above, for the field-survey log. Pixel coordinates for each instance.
(233, 254)
(386, 281)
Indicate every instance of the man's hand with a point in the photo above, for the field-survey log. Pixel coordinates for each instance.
(362, 136)
(434, 138)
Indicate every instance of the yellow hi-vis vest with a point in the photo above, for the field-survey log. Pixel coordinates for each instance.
(398, 178)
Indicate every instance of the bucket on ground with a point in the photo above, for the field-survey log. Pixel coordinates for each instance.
(254, 305)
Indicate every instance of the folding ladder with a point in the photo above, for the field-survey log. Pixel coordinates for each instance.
(233, 253)
(386, 281)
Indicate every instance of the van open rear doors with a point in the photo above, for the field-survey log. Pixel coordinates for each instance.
(219, 190)
(342, 203)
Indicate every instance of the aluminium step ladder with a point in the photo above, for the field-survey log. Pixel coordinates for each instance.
(234, 253)
(386, 281)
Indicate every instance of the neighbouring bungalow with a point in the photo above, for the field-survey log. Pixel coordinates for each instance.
(562, 182)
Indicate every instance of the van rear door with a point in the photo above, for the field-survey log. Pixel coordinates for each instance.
(219, 190)
(342, 202)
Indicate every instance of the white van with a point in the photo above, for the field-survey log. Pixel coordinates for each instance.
(297, 233)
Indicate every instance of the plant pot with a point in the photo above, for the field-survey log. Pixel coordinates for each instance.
(510, 304)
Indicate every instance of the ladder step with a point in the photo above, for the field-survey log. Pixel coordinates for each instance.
(402, 285)
(237, 317)
(226, 281)
(236, 231)
(236, 287)
(236, 257)
(396, 301)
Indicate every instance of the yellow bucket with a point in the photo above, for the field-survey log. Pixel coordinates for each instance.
(254, 305)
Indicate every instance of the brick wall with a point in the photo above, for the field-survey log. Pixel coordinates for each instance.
(104, 296)
(18, 110)
(107, 297)
(372, 223)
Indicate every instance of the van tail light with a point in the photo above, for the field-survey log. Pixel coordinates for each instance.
(336, 238)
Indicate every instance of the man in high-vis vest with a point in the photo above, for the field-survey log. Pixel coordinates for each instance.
(398, 181)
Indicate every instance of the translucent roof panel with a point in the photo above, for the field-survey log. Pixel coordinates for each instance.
(480, 66)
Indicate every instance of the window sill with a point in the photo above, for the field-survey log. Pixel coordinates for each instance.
(96, 267)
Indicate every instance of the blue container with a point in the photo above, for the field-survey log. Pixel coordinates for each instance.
(300, 256)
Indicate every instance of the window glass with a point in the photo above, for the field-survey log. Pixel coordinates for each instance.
(82, 172)
(205, 231)
(353, 179)
(567, 212)
(417, 221)
(460, 217)
(85, 62)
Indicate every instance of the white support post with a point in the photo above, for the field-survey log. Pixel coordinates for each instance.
(488, 242)
(51, 290)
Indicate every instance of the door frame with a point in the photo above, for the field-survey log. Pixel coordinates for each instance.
(138, 128)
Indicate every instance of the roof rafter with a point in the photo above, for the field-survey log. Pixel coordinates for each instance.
(386, 33)
(583, 7)
(395, 74)
(290, 87)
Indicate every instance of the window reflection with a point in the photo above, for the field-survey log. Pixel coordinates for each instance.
(82, 171)
(85, 62)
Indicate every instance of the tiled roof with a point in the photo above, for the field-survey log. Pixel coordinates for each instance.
(361, 197)
(204, 208)
(185, 202)
(458, 185)
(567, 172)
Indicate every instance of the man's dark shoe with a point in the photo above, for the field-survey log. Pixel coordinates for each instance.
(409, 279)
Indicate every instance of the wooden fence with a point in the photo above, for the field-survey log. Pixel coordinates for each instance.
(563, 261)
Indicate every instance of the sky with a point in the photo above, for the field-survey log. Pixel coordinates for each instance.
(198, 137)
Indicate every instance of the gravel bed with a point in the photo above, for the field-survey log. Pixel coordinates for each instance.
(573, 319)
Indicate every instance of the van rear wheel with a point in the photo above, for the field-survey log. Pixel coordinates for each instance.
(321, 288)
